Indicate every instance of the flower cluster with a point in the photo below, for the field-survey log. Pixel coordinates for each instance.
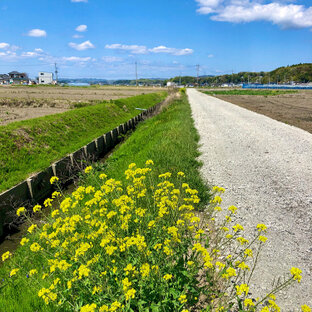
(128, 247)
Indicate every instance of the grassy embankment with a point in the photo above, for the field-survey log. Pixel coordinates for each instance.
(169, 139)
(32, 145)
(249, 92)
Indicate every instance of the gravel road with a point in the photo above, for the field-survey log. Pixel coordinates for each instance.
(266, 168)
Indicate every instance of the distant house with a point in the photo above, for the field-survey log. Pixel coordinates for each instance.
(45, 78)
(18, 78)
(4, 79)
(171, 84)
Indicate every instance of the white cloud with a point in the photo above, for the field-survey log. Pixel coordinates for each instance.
(76, 59)
(36, 53)
(112, 59)
(4, 45)
(77, 36)
(82, 46)
(173, 51)
(281, 13)
(29, 54)
(9, 55)
(81, 28)
(79, 1)
(136, 49)
(210, 55)
(37, 33)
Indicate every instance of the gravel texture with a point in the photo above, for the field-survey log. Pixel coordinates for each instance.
(266, 168)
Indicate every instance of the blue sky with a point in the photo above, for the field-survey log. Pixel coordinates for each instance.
(103, 39)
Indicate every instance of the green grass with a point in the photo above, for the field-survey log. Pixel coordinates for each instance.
(32, 145)
(249, 92)
(169, 139)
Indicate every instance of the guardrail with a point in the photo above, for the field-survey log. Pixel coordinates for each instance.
(37, 188)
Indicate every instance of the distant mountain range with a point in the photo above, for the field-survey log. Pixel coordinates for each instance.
(141, 81)
(299, 73)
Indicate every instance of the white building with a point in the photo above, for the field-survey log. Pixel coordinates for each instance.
(171, 84)
(45, 78)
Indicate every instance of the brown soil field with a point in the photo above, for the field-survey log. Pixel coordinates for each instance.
(293, 109)
(22, 102)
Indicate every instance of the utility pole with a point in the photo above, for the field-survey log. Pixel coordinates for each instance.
(136, 73)
(56, 72)
(197, 69)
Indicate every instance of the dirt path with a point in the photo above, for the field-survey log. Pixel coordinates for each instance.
(266, 169)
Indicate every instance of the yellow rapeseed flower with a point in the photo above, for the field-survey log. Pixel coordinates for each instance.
(182, 299)
(37, 208)
(232, 209)
(13, 272)
(55, 194)
(229, 273)
(31, 228)
(149, 162)
(33, 272)
(130, 293)
(88, 169)
(54, 179)
(165, 175)
(238, 227)
(102, 176)
(262, 239)
(24, 241)
(167, 277)
(241, 289)
(48, 202)
(248, 303)
(35, 247)
(145, 270)
(88, 308)
(295, 272)
(261, 227)
(305, 308)
(248, 252)
(21, 210)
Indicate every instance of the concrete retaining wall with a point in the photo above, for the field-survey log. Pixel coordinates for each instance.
(37, 188)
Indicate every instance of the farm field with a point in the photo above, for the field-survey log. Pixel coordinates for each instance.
(23, 102)
(291, 108)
